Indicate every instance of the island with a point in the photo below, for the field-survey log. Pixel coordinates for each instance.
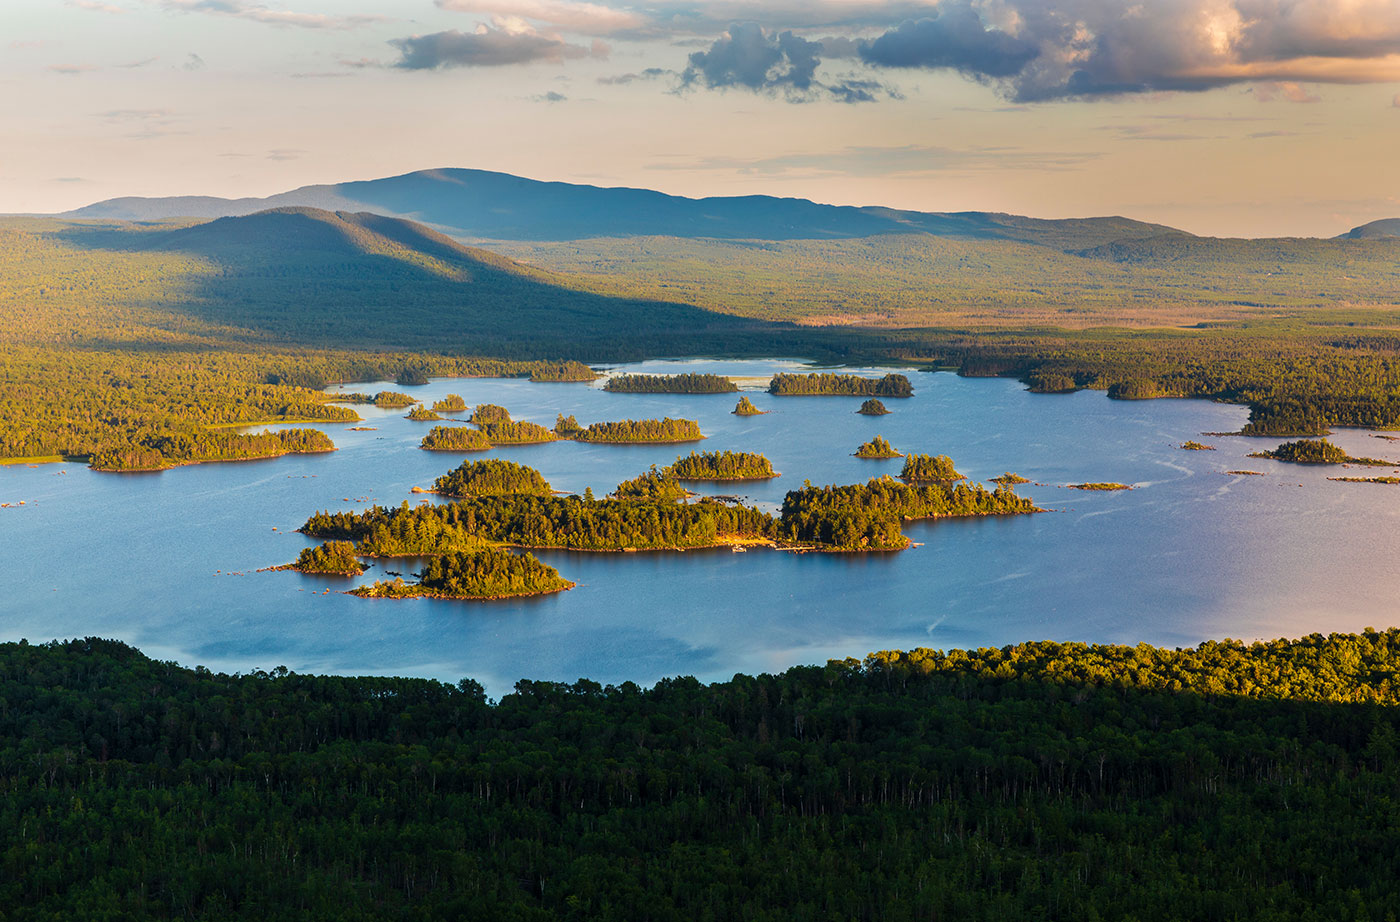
(825, 383)
(422, 414)
(492, 477)
(333, 558)
(1196, 446)
(658, 486)
(569, 371)
(1010, 480)
(929, 469)
(516, 433)
(1391, 480)
(566, 427)
(393, 400)
(450, 403)
(454, 438)
(489, 413)
(670, 384)
(1317, 451)
(489, 573)
(873, 407)
(723, 465)
(877, 449)
(867, 517)
(745, 407)
(159, 452)
(646, 517)
(1107, 486)
(631, 431)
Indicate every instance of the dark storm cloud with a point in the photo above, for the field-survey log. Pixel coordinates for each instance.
(486, 47)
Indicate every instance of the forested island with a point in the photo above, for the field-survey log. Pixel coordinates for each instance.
(670, 384)
(1010, 480)
(1196, 446)
(723, 465)
(566, 427)
(657, 486)
(450, 403)
(486, 413)
(877, 449)
(796, 385)
(492, 477)
(646, 516)
(568, 371)
(158, 452)
(873, 407)
(518, 432)
(1317, 451)
(421, 414)
(1103, 487)
(745, 407)
(932, 469)
(867, 517)
(333, 558)
(489, 573)
(573, 522)
(643, 430)
(454, 438)
(393, 400)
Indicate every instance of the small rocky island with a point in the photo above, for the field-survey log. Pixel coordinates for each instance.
(490, 573)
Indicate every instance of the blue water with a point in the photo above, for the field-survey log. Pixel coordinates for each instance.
(167, 561)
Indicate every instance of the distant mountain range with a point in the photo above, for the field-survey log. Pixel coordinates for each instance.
(478, 204)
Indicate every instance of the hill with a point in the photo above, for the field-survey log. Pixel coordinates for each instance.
(498, 206)
(1386, 227)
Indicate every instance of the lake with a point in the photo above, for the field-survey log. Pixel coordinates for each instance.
(168, 561)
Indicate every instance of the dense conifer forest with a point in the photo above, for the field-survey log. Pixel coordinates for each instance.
(1317, 451)
(745, 407)
(489, 573)
(670, 384)
(454, 438)
(658, 486)
(335, 557)
(873, 407)
(723, 465)
(891, 385)
(518, 432)
(642, 430)
(877, 448)
(1044, 780)
(492, 477)
(929, 469)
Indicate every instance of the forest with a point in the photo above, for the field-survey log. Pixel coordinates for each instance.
(929, 469)
(789, 385)
(516, 432)
(656, 486)
(486, 413)
(642, 430)
(1317, 451)
(1042, 780)
(492, 477)
(454, 438)
(723, 465)
(332, 557)
(489, 573)
(745, 407)
(873, 407)
(670, 384)
(867, 517)
(158, 451)
(573, 522)
(878, 448)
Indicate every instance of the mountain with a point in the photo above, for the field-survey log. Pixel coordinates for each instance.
(1386, 227)
(498, 206)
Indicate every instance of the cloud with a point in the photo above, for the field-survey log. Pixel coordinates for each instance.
(193, 62)
(70, 179)
(285, 153)
(748, 57)
(1283, 89)
(487, 47)
(551, 96)
(568, 15)
(954, 39)
(71, 69)
(651, 73)
(1035, 50)
(258, 12)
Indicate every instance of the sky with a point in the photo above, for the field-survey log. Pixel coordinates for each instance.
(1224, 117)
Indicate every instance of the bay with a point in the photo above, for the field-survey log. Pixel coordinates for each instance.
(168, 561)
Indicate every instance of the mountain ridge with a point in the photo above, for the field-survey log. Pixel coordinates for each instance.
(487, 205)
